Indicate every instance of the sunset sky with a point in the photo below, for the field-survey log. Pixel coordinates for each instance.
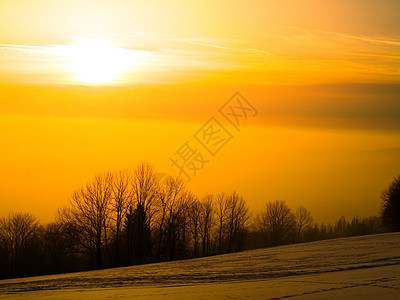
(93, 86)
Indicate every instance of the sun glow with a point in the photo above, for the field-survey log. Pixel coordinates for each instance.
(96, 61)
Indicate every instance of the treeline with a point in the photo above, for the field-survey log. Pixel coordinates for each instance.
(126, 218)
(277, 225)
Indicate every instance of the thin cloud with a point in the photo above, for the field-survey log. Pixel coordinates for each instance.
(370, 39)
(30, 48)
(210, 45)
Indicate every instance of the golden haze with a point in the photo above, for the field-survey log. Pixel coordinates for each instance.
(89, 86)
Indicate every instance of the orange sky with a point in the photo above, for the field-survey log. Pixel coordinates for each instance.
(89, 86)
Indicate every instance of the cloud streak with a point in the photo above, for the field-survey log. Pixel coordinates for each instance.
(286, 55)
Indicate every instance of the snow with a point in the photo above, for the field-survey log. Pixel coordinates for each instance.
(366, 267)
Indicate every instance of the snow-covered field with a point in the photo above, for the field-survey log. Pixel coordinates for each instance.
(365, 267)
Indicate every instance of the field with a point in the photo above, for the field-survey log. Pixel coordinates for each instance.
(366, 267)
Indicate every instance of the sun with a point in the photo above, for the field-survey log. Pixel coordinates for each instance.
(95, 61)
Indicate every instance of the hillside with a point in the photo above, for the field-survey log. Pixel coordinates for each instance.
(366, 266)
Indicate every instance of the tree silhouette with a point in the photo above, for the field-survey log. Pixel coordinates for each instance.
(194, 222)
(89, 213)
(172, 218)
(120, 200)
(221, 212)
(179, 201)
(15, 233)
(391, 205)
(138, 232)
(145, 192)
(237, 220)
(206, 222)
(303, 222)
(129, 215)
(277, 221)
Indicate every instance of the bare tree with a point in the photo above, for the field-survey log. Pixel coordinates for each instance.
(15, 232)
(161, 217)
(59, 246)
(120, 200)
(206, 221)
(304, 222)
(145, 188)
(141, 211)
(277, 221)
(177, 202)
(89, 214)
(194, 222)
(237, 220)
(221, 213)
